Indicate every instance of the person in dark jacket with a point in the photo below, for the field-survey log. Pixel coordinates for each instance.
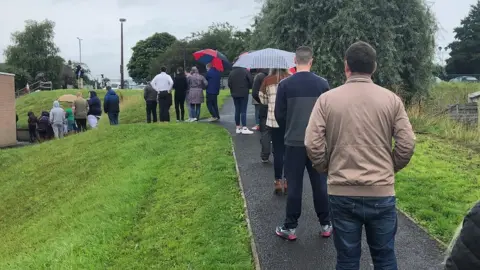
(213, 89)
(94, 109)
(45, 130)
(266, 137)
(240, 81)
(464, 251)
(32, 127)
(150, 96)
(180, 85)
(111, 106)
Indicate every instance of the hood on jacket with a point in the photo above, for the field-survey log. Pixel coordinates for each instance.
(45, 113)
(30, 114)
(93, 94)
(110, 92)
(56, 104)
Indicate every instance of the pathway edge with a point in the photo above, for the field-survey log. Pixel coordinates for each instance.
(405, 214)
(247, 219)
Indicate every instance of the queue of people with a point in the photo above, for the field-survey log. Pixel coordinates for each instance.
(60, 122)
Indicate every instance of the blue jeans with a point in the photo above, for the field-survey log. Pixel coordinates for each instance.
(212, 105)
(113, 117)
(195, 111)
(379, 216)
(241, 104)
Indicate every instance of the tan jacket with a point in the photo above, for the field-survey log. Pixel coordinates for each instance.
(350, 133)
(81, 108)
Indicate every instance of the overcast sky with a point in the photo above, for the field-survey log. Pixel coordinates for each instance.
(99, 27)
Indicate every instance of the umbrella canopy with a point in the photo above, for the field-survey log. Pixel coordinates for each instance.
(216, 58)
(266, 58)
(67, 98)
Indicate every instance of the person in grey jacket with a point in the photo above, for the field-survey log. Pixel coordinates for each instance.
(196, 84)
(150, 96)
(57, 119)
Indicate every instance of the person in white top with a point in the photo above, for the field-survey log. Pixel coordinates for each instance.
(163, 84)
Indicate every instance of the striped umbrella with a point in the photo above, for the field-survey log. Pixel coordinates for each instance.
(266, 58)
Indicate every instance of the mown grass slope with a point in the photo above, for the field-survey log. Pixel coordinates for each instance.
(133, 196)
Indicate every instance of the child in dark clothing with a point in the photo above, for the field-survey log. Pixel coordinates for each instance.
(44, 127)
(32, 127)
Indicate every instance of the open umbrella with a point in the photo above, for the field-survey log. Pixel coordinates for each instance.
(266, 58)
(218, 59)
(67, 98)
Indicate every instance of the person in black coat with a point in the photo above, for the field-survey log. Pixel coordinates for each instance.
(465, 246)
(150, 96)
(94, 105)
(180, 85)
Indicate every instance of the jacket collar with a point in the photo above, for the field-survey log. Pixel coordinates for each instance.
(359, 78)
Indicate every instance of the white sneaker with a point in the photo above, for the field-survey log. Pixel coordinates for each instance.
(194, 120)
(239, 130)
(246, 131)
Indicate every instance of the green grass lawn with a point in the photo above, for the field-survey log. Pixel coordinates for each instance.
(132, 196)
(43, 101)
(440, 185)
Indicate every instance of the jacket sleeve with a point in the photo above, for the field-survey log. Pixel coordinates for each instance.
(170, 82)
(105, 104)
(249, 79)
(257, 83)
(315, 137)
(281, 106)
(404, 137)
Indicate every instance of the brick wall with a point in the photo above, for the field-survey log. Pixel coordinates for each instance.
(8, 125)
(465, 113)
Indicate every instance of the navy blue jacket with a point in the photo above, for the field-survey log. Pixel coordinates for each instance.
(111, 103)
(296, 96)
(213, 78)
(94, 104)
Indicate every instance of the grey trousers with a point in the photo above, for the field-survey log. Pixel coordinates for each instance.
(266, 139)
(58, 130)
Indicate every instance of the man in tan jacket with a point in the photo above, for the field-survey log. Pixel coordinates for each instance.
(80, 112)
(349, 135)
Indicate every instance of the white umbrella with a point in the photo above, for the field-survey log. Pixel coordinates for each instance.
(266, 58)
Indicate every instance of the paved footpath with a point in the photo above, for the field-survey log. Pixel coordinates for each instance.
(415, 250)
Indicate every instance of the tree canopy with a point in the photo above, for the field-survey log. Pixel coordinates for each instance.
(144, 52)
(465, 50)
(220, 36)
(402, 32)
(34, 51)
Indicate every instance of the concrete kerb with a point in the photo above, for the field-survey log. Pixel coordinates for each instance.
(247, 219)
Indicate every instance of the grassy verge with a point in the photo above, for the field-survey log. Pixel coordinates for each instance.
(440, 185)
(124, 197)
(42, 101)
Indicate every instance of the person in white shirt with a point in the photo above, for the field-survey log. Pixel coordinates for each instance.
(163, 84)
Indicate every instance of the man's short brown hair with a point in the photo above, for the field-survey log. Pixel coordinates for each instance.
(361, 58)
(303, 55)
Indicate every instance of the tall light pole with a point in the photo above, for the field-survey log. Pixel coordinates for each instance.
(80, 48)
(122, 82)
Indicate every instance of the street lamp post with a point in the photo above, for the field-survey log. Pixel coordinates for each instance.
(122, 82)
(80, 48)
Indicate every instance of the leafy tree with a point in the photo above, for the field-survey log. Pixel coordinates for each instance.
(402, 31)
(465, 50)
(34, 51)
(220, 36)
(144, 52)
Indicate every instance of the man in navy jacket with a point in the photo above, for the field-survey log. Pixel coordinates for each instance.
(213, 89)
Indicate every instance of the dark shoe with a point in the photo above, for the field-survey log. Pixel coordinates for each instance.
(265, 160)
(278, 187)
(285, 233)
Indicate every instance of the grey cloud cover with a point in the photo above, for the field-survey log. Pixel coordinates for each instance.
(99, 27)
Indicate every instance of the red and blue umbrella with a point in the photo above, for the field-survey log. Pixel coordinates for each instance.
(216, 58)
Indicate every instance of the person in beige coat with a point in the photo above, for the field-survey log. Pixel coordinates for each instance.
(81, 112)
(349, 136)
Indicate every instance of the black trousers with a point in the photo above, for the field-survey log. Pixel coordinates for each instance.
(296, 160)
(81, 124)
(180, 106)
(164, 102)
(151, 111)
(32, 130)
(278, 143)
(265, 139)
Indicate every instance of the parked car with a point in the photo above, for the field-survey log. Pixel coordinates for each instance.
(464, 79)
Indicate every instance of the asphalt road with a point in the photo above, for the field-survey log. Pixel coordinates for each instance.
(415, 249)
